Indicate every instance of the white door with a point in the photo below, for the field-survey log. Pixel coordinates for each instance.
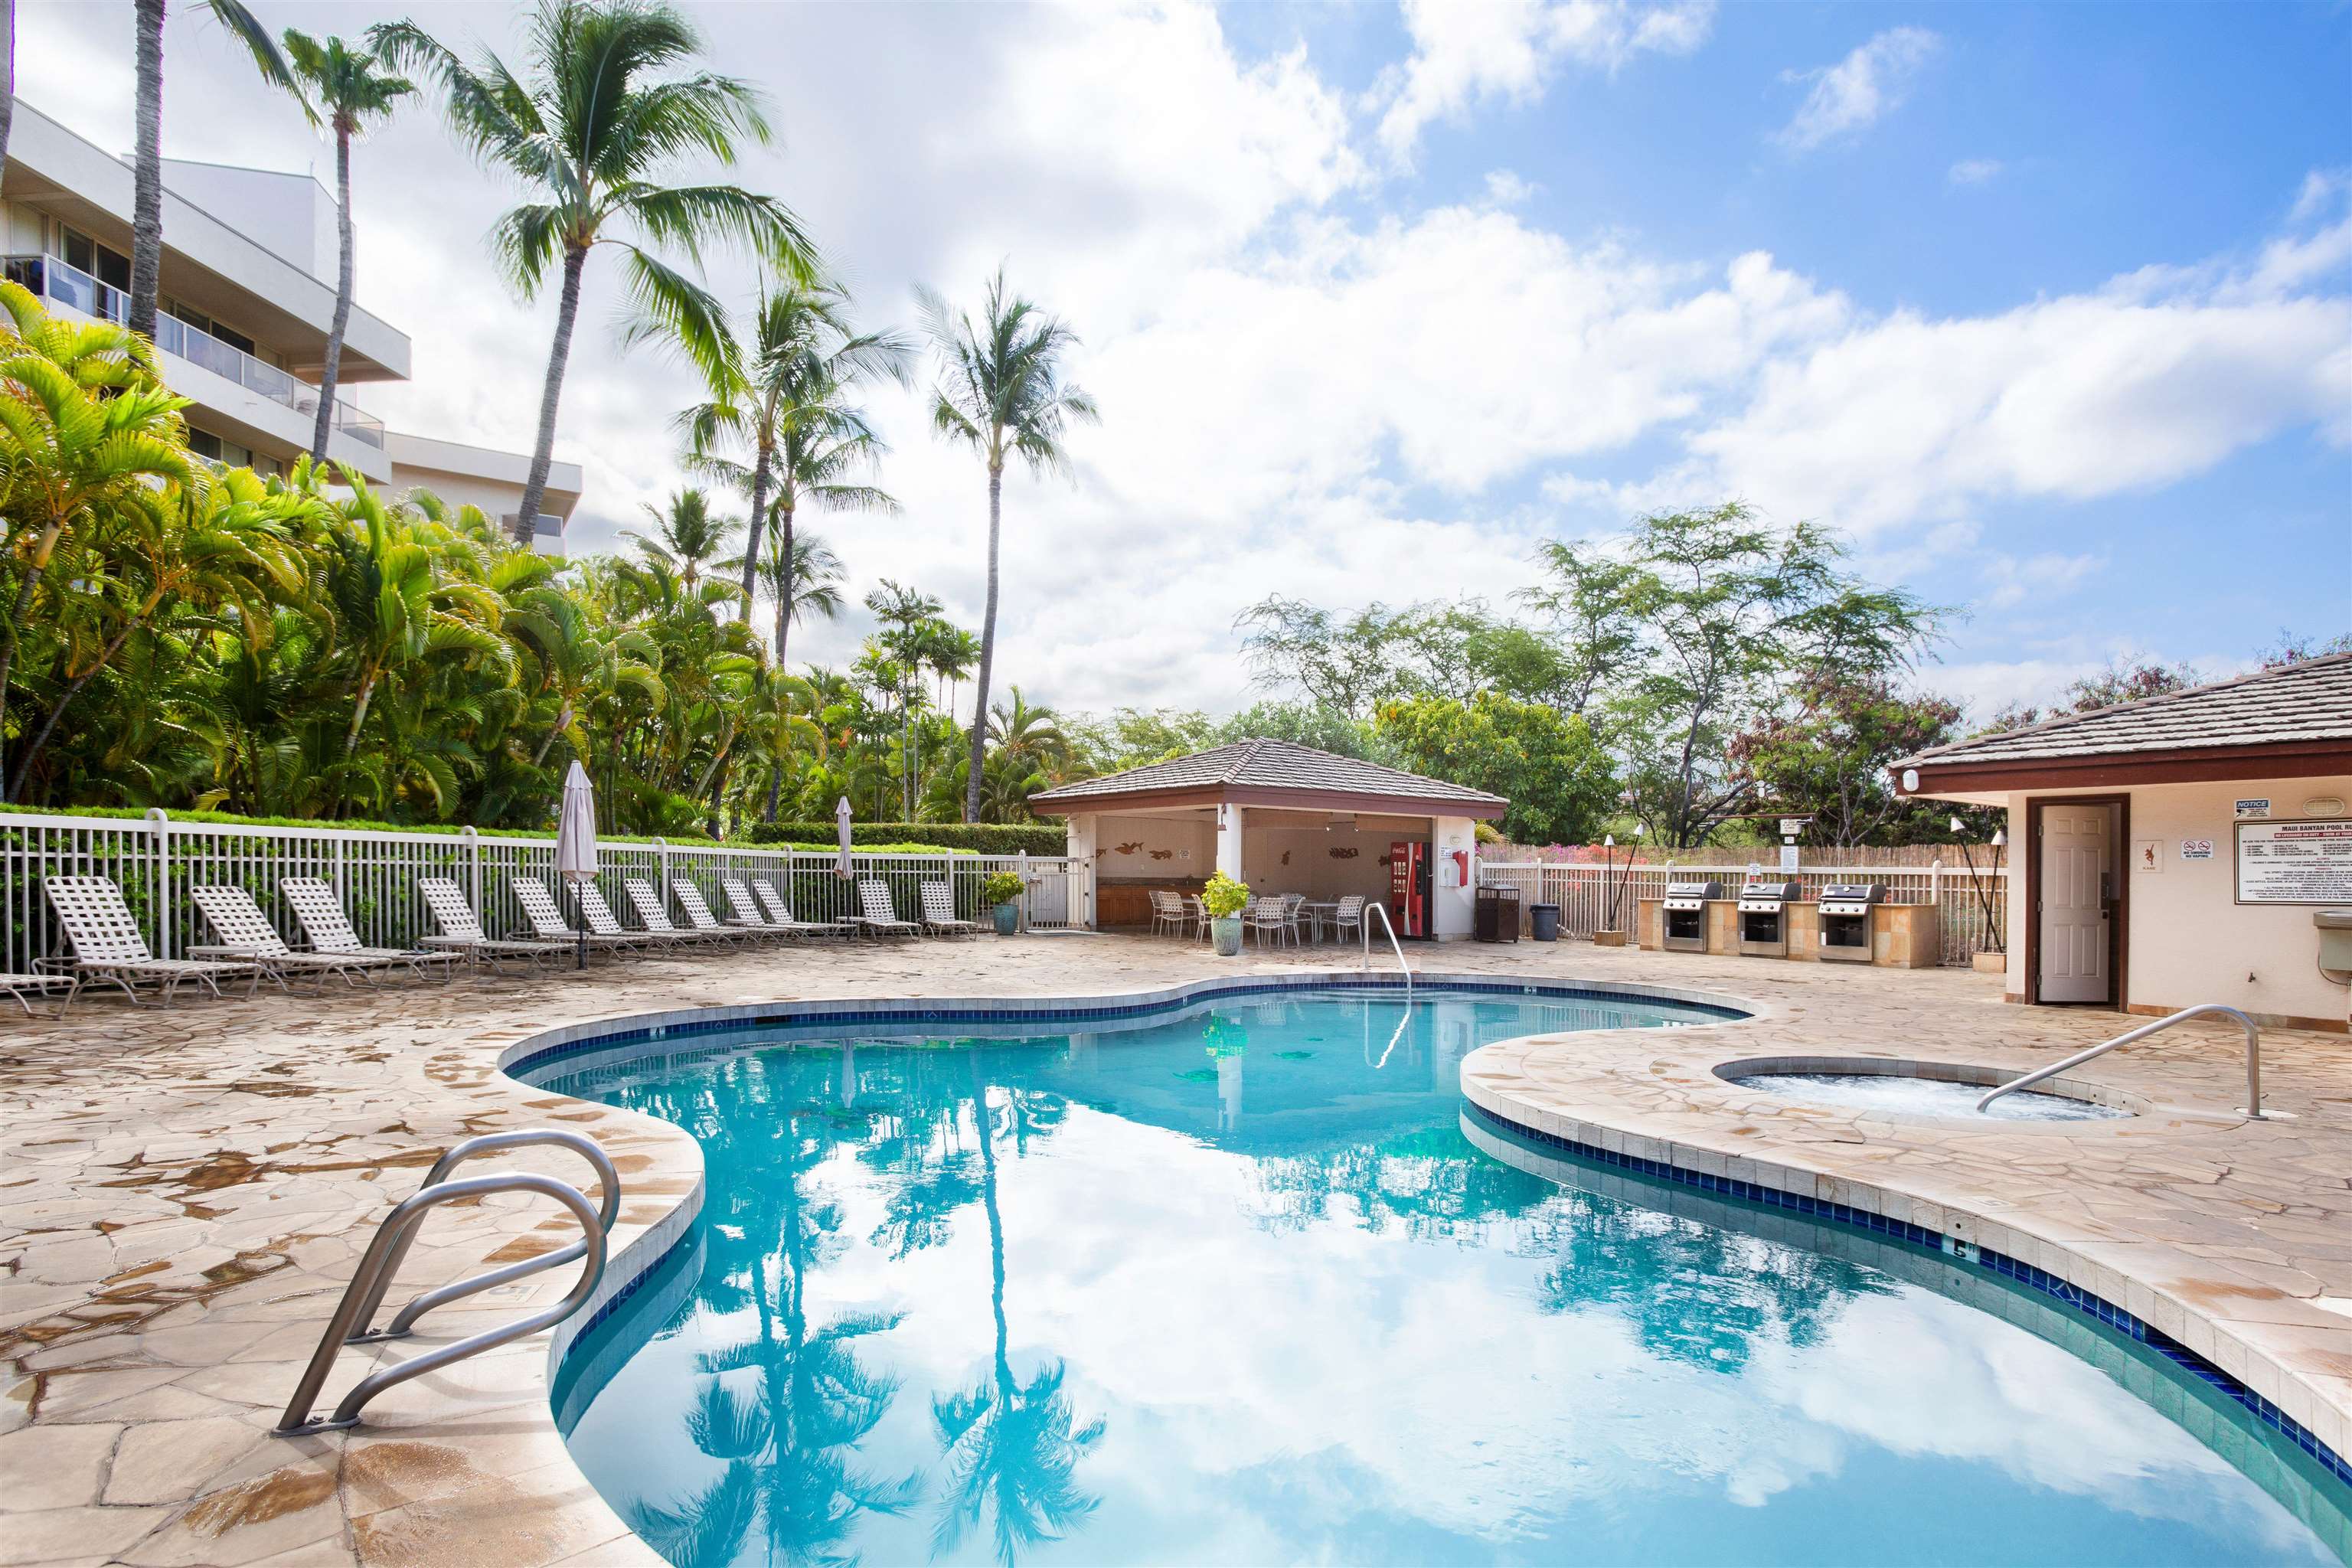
(2078, 868)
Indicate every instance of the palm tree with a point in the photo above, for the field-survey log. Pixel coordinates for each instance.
(592, 125)
(1000, 393)
(803, 582)
(344, 91)
(147, 155)
(686, 534)
(903, 612)
(86, 428)
(781, 392)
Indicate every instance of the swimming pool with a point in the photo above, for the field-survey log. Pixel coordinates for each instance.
(1238, 1282)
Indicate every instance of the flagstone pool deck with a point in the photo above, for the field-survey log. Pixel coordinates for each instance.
(184, 1194)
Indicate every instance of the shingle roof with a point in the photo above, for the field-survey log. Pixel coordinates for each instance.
(1268, 764)
(2296, 703)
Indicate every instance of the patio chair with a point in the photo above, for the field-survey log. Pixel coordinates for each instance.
(604, 928)
(462, 933)
(1348, 919)
(880, 918)
(939, 913)
(698, 915)
(246, 933)
(1167, 909)
(108, 946)
(17, 986)
(655, 915)
(325, 928)
(781, 918)
(1196, 916)
(1293, 904)
(1268, 919)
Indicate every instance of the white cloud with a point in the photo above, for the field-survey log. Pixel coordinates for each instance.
(1859, 89)
(1974, 170)
(1505, 189)
(2037, 577)
(1467, 52)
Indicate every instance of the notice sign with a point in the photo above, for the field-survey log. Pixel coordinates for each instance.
(2287, 862)
(2253, 808)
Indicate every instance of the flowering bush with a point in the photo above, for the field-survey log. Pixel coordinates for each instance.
(1223, 896)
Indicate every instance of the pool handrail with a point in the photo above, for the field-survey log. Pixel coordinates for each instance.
(1372, 905)
(2254, 1106)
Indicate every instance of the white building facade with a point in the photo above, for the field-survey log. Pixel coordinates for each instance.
(246, 301)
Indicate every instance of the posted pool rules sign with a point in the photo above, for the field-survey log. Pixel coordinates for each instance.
(2283, 862)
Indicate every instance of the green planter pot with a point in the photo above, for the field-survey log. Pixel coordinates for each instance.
(1007, 918)
(1225, 935)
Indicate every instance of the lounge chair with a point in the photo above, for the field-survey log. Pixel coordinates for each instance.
(246, 933)
(547, 925)
(779, 915)
(939, 913)
(462, 932)
(879, 917)
(651, 909)
(327, 930)
(698, 916)
(17, 984)
(108, 946)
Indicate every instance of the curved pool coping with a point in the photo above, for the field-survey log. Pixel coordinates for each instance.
(2065, 1085)
(2090, 1287)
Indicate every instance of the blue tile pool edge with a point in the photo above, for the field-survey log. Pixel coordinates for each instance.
(1951, 1248)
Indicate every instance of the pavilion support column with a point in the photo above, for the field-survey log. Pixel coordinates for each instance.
(1229, 842)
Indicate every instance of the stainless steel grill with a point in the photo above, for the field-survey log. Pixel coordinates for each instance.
(1685, 915)
(1846, 920)
(1764, 917)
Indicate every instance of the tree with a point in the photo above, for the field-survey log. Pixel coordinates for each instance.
(1000, 393)
(147, 151)
(1827, 756)
(1557, 779)
(592, 126)
(686, 535)
(902, 611)
(2292, 649)
(86, 429)
(802, 581)
(1306, 724)
(1724, 615)
(342, 88)
(2117, 682)
(782, 391)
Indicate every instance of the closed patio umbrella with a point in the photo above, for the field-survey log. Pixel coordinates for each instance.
(841, 830)
(575, 841)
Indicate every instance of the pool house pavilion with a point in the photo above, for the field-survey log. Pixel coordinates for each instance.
(1282, 817)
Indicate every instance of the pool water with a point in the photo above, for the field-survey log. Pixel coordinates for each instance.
(1234, 1285)
(1901, 1095)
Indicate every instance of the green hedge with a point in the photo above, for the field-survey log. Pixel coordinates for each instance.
(139, 813)
(986, 837)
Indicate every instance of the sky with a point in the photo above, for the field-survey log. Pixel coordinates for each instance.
(2046, 310)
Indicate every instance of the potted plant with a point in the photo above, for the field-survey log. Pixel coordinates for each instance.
(1225, 899)
(1000, 889)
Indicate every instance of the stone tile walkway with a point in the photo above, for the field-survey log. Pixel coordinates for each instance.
(184, 1193)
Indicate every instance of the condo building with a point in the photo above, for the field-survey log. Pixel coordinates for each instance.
(246, 299)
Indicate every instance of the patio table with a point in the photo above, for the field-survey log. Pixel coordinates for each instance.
(1315, 909)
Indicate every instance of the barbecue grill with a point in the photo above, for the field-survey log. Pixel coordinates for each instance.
(1684, 916)
(1846, 919)
(1764, 917)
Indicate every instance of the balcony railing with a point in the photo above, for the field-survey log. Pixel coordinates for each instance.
(47, 276)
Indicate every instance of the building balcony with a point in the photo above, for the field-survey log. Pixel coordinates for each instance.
(281, 431)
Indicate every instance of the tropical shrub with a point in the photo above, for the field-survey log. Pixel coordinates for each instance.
(1223, 896)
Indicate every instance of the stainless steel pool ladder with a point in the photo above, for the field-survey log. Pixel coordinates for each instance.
(392, 1237)
(1374, 907)
(2254, 1106)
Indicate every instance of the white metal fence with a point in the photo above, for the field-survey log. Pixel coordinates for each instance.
(156, 861)
(1972, 904)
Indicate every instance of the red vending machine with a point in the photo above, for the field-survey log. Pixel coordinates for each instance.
(1409, 888)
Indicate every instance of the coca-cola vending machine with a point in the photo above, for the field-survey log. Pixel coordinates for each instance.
(1409, 888)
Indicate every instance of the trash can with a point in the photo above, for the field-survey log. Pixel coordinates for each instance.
(1547, 922)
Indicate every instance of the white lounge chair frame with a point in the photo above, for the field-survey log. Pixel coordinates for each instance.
(698, 916)
(880, 918)
(656, 916)
(329, 930)
(939, 912)
(461, 931)
(16, 986)
(548, 922)
(780, 916)
(246, 933)
(108, 949)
